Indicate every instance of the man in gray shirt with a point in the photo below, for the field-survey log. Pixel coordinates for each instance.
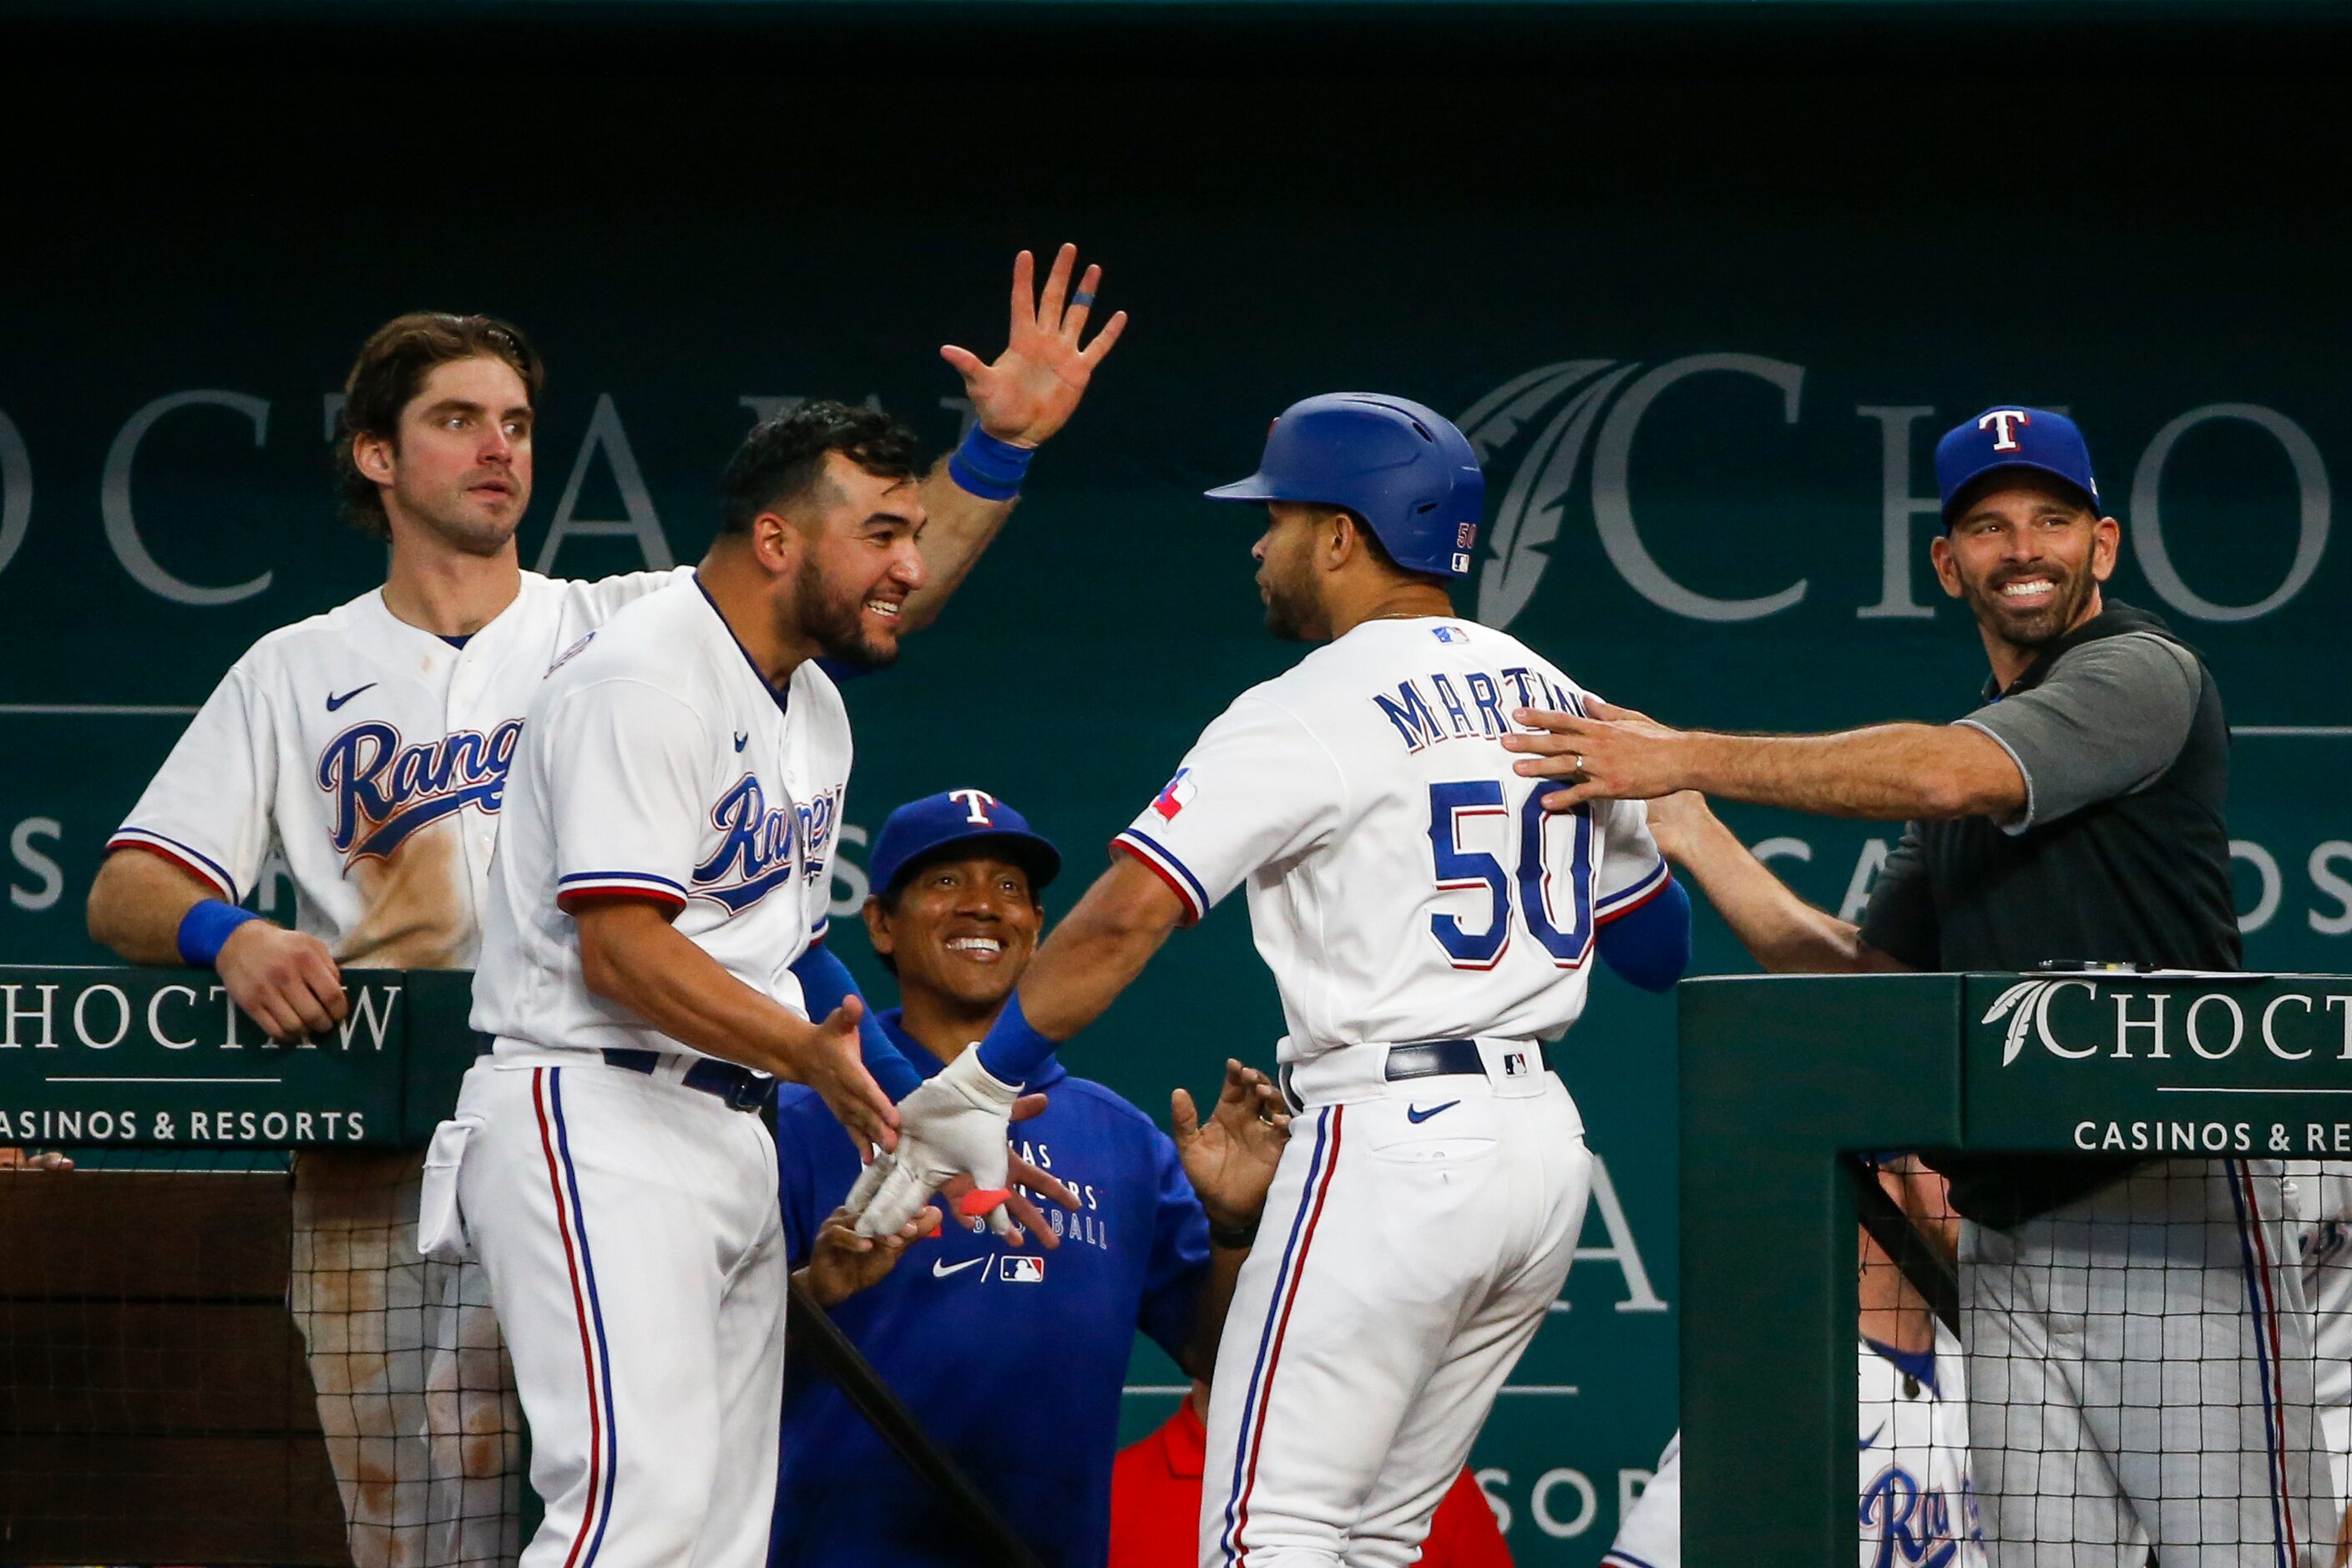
(2077, 814)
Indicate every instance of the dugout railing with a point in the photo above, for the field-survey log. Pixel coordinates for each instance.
(1785, 1077)
(155, 1402)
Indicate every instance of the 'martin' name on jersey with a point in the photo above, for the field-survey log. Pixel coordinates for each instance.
(1415, 715)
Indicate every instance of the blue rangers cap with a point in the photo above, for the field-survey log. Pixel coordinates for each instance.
(964, 819)
(2013, 437)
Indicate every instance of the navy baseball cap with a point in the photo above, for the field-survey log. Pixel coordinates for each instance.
(969, 819)
(2007, 437)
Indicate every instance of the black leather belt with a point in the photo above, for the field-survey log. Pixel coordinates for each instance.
(1438, 1058)
(740, 1088)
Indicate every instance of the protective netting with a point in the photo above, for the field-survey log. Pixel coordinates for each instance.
(2156, 1370)
(247, 1366)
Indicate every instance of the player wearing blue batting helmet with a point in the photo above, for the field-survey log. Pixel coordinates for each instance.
(1401, 467)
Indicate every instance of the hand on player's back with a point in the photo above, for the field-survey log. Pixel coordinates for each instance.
(1605, 753)
(1231, 1161)
(286, 981)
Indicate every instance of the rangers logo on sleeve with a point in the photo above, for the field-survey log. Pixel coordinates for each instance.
(1175, 797)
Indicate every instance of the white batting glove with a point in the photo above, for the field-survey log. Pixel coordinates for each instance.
(955, 1124)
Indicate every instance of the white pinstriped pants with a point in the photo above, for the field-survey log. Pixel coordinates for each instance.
(2140, 1364)
(1408, 1251)
(636, 1255)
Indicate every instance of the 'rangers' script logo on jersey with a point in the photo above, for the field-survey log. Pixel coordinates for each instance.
(1914, 1523)
(383, 792)
(757, 844)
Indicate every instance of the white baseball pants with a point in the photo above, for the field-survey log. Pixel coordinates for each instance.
(636, 1255)
(1416, 1234)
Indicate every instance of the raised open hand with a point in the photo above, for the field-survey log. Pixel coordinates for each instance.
(1034, 386)
(1231, 1159)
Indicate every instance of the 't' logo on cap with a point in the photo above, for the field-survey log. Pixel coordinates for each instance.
(976, 803)
(2003, 424)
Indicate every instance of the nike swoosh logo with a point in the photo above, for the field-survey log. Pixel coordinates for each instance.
(334, 701)
(739, 738)
(942, 1267)
(1866, 1442)
(1414, 1113)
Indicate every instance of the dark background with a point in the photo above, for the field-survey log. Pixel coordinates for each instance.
(2129, 210)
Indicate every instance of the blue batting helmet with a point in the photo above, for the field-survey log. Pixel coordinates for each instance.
(1402, 467)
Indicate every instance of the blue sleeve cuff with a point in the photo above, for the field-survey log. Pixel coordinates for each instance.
(1013, 1051)
(825, 983)
(205, 930)
(988, 467)
(1650, 944)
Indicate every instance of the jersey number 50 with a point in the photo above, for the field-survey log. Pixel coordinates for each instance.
(1562, 927)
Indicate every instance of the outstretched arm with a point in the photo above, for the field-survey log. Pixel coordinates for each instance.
(1779, 930)
(1093, 955)
(956, 1122)
(1887, 772)
(1018, 403)
(632, 957)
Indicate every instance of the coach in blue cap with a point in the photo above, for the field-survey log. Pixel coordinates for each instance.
(2138, 1360)
(1158, 1234)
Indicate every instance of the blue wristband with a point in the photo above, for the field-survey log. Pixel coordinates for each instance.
(988, 467)
(1013, 1051)
(892, 1072)
(206, 928)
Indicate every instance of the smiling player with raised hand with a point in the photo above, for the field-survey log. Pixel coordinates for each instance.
(367, 751)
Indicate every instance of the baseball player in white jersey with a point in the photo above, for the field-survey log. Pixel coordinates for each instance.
(1429, 932)
(367, 751)
(1918, 1506)
(673, 816)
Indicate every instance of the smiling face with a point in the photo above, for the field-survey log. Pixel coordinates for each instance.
(861, 562)
(960, 931)
(459, 471)
(2027, 554)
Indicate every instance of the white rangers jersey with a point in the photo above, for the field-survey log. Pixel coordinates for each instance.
(1918, 1508)
(1404, 884)
(372, 757)
(656, 762)
(1919, 1504)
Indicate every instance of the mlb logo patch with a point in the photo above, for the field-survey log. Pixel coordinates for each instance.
(1175, 797)
(1462, 560)
(1022, 1270)
(1515, 1064)
(1449, 634)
